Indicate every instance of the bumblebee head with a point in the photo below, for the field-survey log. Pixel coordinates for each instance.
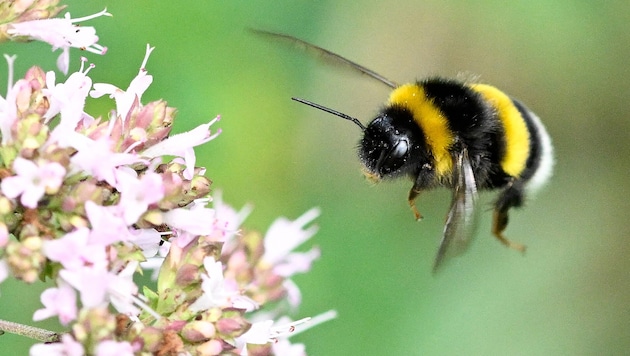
(384, 149)
(390, 146)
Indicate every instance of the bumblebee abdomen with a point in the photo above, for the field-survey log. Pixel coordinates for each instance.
(539, 165)
(516, 135)
(528, 153)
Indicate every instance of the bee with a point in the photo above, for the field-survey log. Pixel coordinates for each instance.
(443, 132)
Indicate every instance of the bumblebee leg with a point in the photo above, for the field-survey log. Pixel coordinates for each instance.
(413, 194)
(512, 196)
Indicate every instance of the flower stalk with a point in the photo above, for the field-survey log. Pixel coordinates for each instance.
(31, 332)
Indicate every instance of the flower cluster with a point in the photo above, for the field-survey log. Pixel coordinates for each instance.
(89, 202)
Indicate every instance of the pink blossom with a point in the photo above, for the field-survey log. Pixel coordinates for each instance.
(124, 98)
(62, 33)
(148, 240)
(294, 295)
(67, 347)
(68, 99)
(299, 262)
(4, 270)
(285, 347)
(74, 252)
(8, 106)
(98, 287)
(136, 194)
(97, 158)
(114, 348)
(107, 226)
(155, 263)
(8, 110)
(33, 181)
(259, 333)
(61, 301)
(181, 145)
(284, 235)
(212, 285)
(4, 235)
(278, 332)
(228, 220)
(264, 331)
(195, 219)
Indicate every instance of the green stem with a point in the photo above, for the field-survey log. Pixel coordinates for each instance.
(32, 332)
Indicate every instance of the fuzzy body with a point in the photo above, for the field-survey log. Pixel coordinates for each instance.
(424, 123)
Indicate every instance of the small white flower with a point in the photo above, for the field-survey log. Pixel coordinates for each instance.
(181, 145)
(283, 236)
(124, 98)
(214, 293)
(196, 220)
(62, 33)
(33, 181)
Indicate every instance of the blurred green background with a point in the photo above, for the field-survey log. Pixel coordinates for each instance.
(568, 61)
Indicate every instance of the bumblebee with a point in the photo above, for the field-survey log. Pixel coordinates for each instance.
(447, 133)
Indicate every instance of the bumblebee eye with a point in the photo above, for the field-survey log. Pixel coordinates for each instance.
(401, 148)
(394, 157)
(386, 148)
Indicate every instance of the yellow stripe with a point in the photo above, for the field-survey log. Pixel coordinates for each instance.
(516, 132)
(432, 122)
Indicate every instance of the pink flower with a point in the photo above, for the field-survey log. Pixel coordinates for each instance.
(154, 260)
(263, 332)
(114, 348)
(125, 99)
(283, 236)
(60, 301)
(181, 145)
(228, 220)
(294, 295)
(97, 158)
(214, 293)
(4, 235)
(195, 219)
(266, 331)
(33, 181)
(62, 33)
(108, 227)
(67, 347)
(74, 251)
(285, 347)
(4, 270)
(136, 194)
(148, 240)
(98, 287)
(8, 106)
(295, 263)
(68, 99)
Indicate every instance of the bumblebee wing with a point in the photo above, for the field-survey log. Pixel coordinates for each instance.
(460, 221)
(326, 54)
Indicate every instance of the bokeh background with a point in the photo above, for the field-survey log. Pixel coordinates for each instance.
(568, 61)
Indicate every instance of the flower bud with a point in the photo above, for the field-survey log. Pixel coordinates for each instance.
(212, 347)
(198, 330)
(25, 258)
(232, 324)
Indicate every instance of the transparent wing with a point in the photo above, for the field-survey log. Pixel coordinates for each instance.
(326, 54)
(460, 222)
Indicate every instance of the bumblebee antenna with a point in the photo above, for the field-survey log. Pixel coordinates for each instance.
(331, 111)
